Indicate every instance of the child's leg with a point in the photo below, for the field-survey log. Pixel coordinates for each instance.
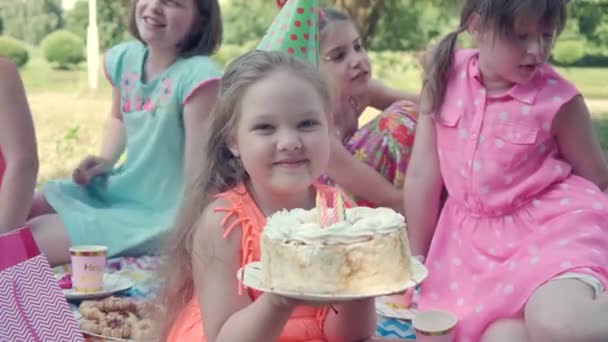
(52, 239)
(506, 330)
(40, 206)
(566, 310)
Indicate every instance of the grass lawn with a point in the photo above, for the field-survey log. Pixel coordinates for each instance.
(69, 117)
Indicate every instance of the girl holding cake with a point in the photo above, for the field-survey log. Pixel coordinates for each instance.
(268, 145)
(519, 250)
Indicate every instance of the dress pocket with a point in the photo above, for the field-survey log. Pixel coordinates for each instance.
(516, 133)
(515, 143)
(449, 118)
(451, 133)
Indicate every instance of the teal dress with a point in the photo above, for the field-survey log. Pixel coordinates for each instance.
(130, 210)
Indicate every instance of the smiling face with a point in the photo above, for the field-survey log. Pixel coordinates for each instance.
(344, 59)
(282, 137)
(165, 23)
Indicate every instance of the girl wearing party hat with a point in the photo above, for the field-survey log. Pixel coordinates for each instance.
(370, 162)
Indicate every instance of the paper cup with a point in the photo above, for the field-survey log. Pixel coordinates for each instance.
(434, 326)
(88, 268)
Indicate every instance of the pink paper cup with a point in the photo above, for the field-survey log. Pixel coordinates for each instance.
(88, 267)
(435, 326)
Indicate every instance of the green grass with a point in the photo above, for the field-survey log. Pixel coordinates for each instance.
(592, 82)
(69, 117)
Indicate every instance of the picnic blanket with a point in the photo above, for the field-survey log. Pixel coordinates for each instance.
(141, 271)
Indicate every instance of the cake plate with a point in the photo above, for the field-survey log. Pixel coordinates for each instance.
(251, 276)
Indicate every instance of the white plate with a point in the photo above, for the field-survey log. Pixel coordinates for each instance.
(387, 308)
(112, 283)
(251, 276)
(105, 338)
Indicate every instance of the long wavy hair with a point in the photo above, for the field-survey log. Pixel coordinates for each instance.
(220, 169)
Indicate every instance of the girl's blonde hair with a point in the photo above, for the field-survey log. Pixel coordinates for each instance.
(220, 169)
(500, 15)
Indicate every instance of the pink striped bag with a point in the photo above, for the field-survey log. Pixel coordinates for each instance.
(32, 306)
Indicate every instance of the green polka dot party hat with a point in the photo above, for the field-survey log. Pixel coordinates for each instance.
(294, 30)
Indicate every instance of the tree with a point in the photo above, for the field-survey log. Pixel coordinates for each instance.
(592, 18)
(112, 17)
(31, 20)
(398, 24)
(247, 20)
(365, 14)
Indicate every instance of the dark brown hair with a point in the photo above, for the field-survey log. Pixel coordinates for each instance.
(498, 14)
(219, 169)
(206, 35)
(330, 15)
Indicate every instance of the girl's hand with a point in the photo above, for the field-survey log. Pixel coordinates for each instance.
(289, 303)
(282, 302)
(89, 168)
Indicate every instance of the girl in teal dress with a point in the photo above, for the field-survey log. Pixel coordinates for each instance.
(164, 86)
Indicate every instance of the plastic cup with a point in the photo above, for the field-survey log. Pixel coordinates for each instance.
(88, 267)
(434, 326)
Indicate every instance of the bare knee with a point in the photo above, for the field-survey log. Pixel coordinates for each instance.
(554, 312)
(52, 238)
(505, 330)
(551, 324)
(40, 206)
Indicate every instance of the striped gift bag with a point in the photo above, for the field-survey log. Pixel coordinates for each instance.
(32, 306)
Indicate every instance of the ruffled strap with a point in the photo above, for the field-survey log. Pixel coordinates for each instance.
(243, 212)
(238, 215)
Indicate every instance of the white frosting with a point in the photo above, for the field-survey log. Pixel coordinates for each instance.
(299, 225)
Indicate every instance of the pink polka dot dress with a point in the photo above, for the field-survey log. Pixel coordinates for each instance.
(515, 216)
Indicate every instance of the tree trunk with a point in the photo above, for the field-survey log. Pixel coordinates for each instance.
(365, 14)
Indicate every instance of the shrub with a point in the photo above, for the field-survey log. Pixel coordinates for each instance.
(228, 52)
(568, 52)
(63, 48)
(12, 49)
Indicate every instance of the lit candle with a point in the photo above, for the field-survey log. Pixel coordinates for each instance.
(339, 210)
(321, 210)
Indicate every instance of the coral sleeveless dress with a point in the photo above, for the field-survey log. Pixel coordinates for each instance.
(305, 323)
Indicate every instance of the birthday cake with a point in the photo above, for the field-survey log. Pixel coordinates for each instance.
(366, 252)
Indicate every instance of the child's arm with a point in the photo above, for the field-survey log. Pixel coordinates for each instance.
(226, 315)
(381, 96)
(578, 143)
(361, 180)
(18, 146)
(196, 124)
(114, 137)
(113, 144)
(423, 185)
(351, 321)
